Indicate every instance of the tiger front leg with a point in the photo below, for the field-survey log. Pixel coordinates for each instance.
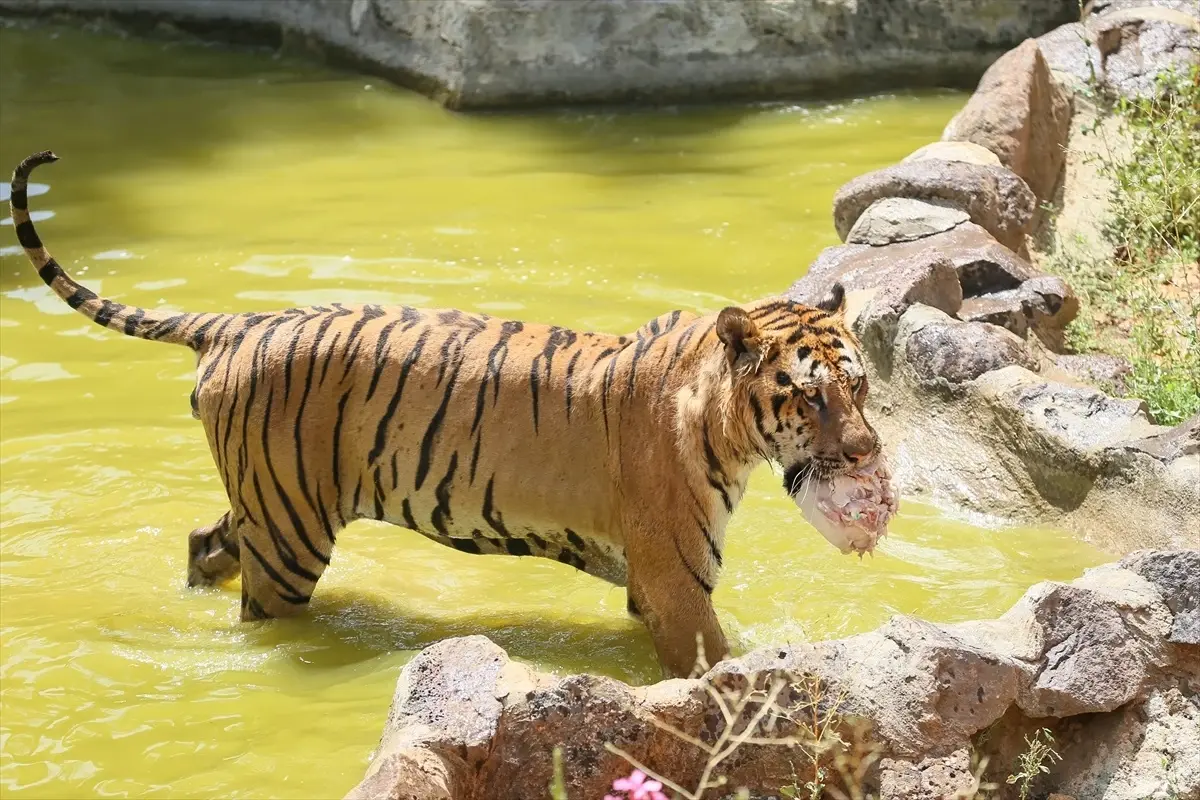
(676, 609)
(213, 553)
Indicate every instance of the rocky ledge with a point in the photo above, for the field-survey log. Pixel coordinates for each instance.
(1109, 663)
(474, 54)
(972, 392)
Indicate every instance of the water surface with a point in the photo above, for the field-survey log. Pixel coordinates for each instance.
(202, 179)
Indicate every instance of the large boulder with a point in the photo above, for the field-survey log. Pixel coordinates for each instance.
(951, 353)
(994, 197)
(1020, 113)
(1094, 654)
(504, 53)
(1123, 44)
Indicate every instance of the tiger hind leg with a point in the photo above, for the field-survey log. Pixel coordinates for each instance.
(213, 553)
(280, 570)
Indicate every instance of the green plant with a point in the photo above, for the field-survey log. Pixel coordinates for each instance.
(1144, 301)
(558, 784)
(1031, 764)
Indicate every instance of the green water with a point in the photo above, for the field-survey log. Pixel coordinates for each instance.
(202, 179)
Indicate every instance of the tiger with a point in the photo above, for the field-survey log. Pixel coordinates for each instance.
(623, 456)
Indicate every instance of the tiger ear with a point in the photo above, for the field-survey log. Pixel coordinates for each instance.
(745, 347)
(834, 302)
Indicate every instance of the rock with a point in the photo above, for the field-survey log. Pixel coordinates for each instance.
(1044, 304)
(895, 219)
(444, 714)
(505, 53)
(1057, 433)
(954, 151)
(1104, 371)
(1182, 440)
(1146, 750)
(984, 265)
(1124, 44)
(412, 773)
(1101, 644)
(1003, 309)
(1090, 657)
(882, 290)
(929, 779)
(1177, 575)
(1020, 113)
(995, 198)
(1136, 43)
(956, 352)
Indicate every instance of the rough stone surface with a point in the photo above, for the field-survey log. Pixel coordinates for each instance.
(498, 53)
(930, 778)
(994, 198)
(955, 353)
(1044, 304)
(1020, 113)
(1144, 752)
(1103, 641)
(1090, 659)
(954, 151)
(896, 219)
(1177, 576)
(1124, 44)
(1103, 371)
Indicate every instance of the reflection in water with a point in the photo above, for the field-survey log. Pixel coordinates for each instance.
(202, 179)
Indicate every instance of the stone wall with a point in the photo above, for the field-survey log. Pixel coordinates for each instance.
(979, 406)
(1110, 663)
(472, 54)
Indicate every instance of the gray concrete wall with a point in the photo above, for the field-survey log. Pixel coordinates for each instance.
(474, 54)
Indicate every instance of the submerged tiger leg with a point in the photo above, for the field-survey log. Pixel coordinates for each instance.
(280, 569)
(213, 553)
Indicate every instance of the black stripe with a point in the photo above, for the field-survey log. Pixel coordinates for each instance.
(380, 362)
(107, 311)
(283, 549)
(575, 539)
(695, 575)
(20, 199)
(337, 449)
(409, 521)
(475, 456)
(49, 271)
(425, 460)
(298, 525)
(570, 373)
(272, 573)
(80, 296)
(381, 431)
(492, 517)
(27, 236)
(441, 514)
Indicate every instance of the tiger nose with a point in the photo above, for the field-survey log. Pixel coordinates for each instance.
(857, 452)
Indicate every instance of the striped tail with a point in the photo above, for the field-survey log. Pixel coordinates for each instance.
(132, 321)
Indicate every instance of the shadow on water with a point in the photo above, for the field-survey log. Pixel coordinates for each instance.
(344, 627)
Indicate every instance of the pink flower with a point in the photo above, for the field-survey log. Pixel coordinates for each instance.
(637, 787)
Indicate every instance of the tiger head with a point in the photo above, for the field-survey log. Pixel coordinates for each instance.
(799, 385)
